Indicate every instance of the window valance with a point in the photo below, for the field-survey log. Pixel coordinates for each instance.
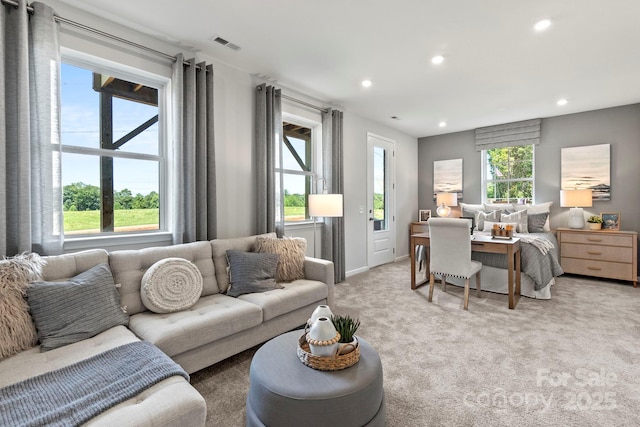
(526, 132)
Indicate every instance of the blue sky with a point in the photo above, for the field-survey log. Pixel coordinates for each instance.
(80, 126)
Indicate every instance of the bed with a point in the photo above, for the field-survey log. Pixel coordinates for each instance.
(540, 263)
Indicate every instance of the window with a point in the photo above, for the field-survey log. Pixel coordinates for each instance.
(298, 171)
(112, 151)
(508, 174)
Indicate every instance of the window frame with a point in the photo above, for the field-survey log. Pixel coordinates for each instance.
(116, 240)
(485, 174)
(316, 159)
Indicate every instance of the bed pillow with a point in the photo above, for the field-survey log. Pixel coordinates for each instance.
(251, 272)
(171, 284)
(76, 309)
(481, 217)
(498, 207)
(291, 253)
(17, 332)
(519, 217)
(536, 222)
(538, 208)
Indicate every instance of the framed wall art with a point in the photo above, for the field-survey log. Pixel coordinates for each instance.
(610, 220)
(424, 215)
(587, 167)
(447, 177)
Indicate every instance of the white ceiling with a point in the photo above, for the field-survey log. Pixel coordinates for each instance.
(497, 69)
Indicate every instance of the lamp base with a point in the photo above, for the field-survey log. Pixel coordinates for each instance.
(443, 210)
(576, 218)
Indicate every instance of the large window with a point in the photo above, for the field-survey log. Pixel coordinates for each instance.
(112, 152)
(297, 169)
(508, 174)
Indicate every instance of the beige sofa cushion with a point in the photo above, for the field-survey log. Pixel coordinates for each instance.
(213, 317)
(128, 268)
(219, 248)
(295, 295)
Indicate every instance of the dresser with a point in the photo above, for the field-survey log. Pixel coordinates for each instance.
(608, 254)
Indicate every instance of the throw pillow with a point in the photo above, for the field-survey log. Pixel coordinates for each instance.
(171, 284)
(538, 208)
(520, 218)
(481, 217)
(251, 272)
(291, 253)
(76, 309)
(498, 207)
(537, 221)
(17, 331)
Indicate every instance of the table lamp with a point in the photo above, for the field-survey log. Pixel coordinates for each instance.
(576, 200)
(444, 202)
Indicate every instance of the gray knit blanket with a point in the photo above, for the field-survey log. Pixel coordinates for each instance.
(75, 394)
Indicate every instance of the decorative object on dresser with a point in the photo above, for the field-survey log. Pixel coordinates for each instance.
(607, 254)
(576, 200)
(610, 220)
(424, 215)
(595, 222)
(445, 201)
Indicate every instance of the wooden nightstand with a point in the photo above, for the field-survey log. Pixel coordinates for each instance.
(608, 254)
(417, 227)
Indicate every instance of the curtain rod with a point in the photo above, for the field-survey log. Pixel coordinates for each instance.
(99, 32)
(324, 110)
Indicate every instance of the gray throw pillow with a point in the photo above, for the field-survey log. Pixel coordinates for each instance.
(537, 221)
(76, 309)
(251, 272)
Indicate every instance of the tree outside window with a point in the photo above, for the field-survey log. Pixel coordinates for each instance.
(508, 174)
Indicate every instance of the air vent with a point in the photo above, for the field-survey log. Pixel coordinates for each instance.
(224, 42)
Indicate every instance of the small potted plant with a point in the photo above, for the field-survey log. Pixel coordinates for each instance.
(347, 327)
(595, 222)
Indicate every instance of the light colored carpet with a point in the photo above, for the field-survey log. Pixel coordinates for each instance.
(570, 361)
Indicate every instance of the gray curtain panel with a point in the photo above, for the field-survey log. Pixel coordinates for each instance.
(270, 202)
(193, 173)
(333, 164)
(30, 175)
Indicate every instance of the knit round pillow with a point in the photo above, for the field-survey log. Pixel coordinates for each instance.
(171, 284)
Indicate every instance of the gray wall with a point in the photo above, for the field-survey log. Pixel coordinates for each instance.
(619, 126)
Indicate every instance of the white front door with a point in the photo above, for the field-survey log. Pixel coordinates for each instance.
(381, 200)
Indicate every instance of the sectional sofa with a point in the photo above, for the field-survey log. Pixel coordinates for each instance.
(214, 328)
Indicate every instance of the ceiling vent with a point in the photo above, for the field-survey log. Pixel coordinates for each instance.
(224, 42)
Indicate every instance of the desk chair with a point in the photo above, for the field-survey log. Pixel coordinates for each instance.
(450, 254)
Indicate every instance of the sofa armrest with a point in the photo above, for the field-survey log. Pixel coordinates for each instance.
(322, 271)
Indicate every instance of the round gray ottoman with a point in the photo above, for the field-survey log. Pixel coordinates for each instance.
(285, 392)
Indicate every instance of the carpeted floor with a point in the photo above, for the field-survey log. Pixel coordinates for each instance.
(570, 361)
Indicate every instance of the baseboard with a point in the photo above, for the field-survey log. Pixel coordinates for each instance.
(356, 271)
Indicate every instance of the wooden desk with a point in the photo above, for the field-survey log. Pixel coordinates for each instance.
(511, 248)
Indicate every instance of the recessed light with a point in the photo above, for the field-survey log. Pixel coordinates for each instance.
(366, 83)
(442, 124)
(542, 25)
(438, 59)
(562, 102)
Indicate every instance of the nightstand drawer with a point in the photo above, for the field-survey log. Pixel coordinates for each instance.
(611, 270)
(597, 253)
(598, 238)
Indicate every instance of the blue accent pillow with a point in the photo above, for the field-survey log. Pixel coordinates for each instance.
(76, 309)
(251, 272)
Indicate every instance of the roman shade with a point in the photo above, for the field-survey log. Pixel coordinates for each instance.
(526, 132)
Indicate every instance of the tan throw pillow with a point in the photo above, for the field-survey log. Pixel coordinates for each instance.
(291, 252)
(17, 330)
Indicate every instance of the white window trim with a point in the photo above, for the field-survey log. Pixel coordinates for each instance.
(316, 159)
(483, 160)
(123, 240)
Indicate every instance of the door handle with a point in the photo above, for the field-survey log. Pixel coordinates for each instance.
(371, 219)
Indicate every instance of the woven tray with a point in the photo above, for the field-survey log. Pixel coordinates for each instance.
(326, 363)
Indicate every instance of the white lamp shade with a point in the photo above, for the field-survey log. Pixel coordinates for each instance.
(447, 199)
(576, 198)
(325, 205)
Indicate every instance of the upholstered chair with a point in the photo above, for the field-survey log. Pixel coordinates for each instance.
(450, 254)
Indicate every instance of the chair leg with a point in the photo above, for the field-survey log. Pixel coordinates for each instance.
(444, 283)
(478, 284)
(431, 284)
(466, 294)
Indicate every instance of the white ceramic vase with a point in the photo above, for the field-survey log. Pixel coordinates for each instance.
(320, 311)
(323, 330)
